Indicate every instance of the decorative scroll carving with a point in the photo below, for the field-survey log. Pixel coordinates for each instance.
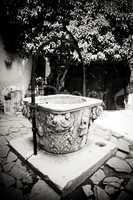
(41, 122)
(59, 123)
(26, 110)
(84, 126)
(96, 111)
(63, 132)
(57, 132)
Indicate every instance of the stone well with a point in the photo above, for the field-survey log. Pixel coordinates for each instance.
(63, 121)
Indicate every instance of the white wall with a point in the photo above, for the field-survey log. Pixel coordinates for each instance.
(17, 76)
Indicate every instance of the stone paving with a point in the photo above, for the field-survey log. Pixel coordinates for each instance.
(112, 181)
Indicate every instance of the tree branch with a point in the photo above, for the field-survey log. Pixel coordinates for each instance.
(80, 57)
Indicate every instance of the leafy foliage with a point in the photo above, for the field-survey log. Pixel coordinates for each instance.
(72, 32)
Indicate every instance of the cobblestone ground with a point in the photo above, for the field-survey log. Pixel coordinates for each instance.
(113, 181)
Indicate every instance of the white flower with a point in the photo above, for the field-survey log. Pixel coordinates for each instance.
(101, 56)
(94, 57)
(75, 55)
(117, 57)
(100, 38)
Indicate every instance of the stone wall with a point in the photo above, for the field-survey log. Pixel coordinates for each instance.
(15, 73)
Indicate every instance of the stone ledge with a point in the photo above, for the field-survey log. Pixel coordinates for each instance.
(67, 171)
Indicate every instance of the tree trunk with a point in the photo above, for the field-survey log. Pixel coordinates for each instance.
(80, 57)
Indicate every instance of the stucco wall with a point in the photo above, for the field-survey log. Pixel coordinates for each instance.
(17, 76)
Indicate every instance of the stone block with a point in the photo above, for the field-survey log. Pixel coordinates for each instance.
(119, 165)
(23, 145)
(65, 172)
(41, 191)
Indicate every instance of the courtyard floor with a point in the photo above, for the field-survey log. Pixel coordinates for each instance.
(112, 181)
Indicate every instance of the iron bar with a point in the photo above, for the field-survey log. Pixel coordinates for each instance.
(33, 108)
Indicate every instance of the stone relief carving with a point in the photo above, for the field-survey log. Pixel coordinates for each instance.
(57, 131)
(84, 126)
(96, 111)
(63, 132)
(60, 123)
(26, 110)
(40, 121)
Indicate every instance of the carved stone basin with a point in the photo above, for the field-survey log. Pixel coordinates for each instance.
(63, 121)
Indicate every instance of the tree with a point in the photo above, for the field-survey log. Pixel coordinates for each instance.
(120, 16)
(81, 32)
(94, 25)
